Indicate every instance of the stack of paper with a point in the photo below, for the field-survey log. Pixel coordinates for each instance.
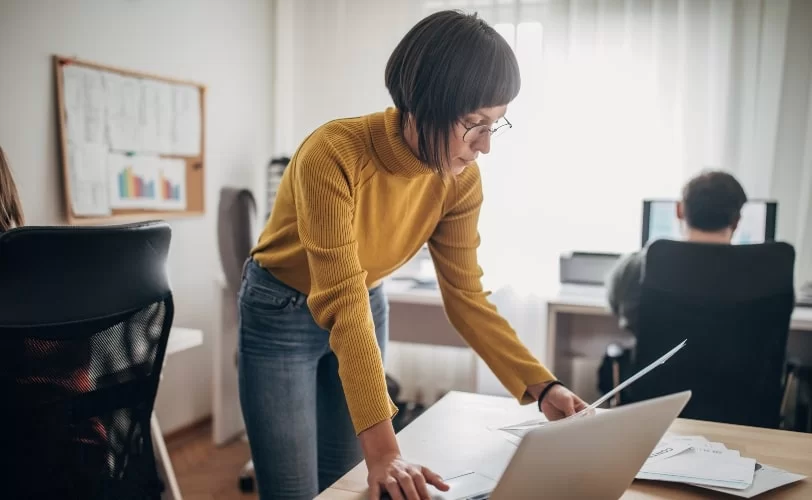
(695, 460)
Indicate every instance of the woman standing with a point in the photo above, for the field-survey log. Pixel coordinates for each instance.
(360, 197)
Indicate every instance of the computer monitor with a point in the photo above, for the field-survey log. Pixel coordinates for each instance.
(757, 223)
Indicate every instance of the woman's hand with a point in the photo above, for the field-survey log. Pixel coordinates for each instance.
(389, 472)
(401, 479)
(559, 402)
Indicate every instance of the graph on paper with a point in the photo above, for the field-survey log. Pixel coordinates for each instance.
(146, 182)
(172, 184)
(132, 186)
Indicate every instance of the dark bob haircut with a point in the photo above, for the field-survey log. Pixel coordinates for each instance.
(447, 66)
(713, 201)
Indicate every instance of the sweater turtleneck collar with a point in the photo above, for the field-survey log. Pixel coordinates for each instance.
(391, 147)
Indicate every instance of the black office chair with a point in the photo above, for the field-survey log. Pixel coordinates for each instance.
(85, 315)
(733, 304)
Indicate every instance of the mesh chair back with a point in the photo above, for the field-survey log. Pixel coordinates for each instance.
(85, 315)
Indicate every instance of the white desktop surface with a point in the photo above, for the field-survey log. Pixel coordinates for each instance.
(181, 338)
(586, 299)
(590, 299)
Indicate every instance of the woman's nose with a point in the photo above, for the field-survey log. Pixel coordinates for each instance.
(483, 145)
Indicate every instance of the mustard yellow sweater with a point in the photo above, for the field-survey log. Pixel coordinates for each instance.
(354, 205)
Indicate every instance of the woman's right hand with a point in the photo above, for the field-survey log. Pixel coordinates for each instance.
(401, 479)
(389, 472)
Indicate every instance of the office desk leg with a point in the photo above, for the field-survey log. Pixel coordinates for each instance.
(552, 332)
(165, 470)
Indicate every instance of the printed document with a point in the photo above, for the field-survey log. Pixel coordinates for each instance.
(520, 429)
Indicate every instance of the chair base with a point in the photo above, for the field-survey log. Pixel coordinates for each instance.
(247, 480)
(799, 378)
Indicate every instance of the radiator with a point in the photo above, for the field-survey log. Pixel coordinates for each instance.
(426, 372)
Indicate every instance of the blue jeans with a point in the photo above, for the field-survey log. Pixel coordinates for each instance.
(296, 417)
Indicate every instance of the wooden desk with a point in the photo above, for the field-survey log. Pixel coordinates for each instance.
(454, 435)
(417, 316)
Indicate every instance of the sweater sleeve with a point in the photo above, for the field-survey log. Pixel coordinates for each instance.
(453, 247)
(339, 299)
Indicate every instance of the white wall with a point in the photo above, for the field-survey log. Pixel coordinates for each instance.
(224, 44)
(331, 58)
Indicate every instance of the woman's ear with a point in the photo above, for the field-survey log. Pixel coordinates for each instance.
(680, 211)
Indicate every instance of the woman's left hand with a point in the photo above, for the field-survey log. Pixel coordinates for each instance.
(559, 402)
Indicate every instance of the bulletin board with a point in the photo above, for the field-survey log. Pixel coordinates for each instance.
(132, 144)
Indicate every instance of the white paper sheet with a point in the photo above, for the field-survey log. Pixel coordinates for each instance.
(666, 449)
(187, 120)
(703, 467)
(123, 112)
(522, 428)
(87, 169)
(156, 117)
(171, 184)
(85, 104)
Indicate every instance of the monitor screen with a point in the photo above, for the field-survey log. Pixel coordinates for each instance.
(757, 224)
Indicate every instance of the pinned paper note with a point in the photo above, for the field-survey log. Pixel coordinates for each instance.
(88, 179)
(85, 105)
(132, 181)
(171, 178)
(187, 120)
(123, 112)
(156, 117)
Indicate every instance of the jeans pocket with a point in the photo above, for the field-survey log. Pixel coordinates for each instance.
(267, 297)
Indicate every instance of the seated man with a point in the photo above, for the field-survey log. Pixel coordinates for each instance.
(710, 210)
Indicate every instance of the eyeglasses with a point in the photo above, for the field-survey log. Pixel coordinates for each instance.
(476, 132)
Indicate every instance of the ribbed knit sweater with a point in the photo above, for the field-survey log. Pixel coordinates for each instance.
(355, 204)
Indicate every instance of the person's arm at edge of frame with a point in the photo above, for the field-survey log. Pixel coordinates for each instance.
(339, 301)
(453, 247)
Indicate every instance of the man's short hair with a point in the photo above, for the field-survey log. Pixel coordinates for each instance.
(712, 201)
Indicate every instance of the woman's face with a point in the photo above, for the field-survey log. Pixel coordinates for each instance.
(471, 136)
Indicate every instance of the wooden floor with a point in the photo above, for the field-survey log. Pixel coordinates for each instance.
(206, 471)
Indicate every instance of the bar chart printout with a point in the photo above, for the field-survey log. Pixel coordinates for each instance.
(131, 181)
(172, 184)
(146, 182)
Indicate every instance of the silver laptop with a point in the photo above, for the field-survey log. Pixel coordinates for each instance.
(595, 456)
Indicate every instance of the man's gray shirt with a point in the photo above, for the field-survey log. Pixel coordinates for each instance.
(624, 286)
